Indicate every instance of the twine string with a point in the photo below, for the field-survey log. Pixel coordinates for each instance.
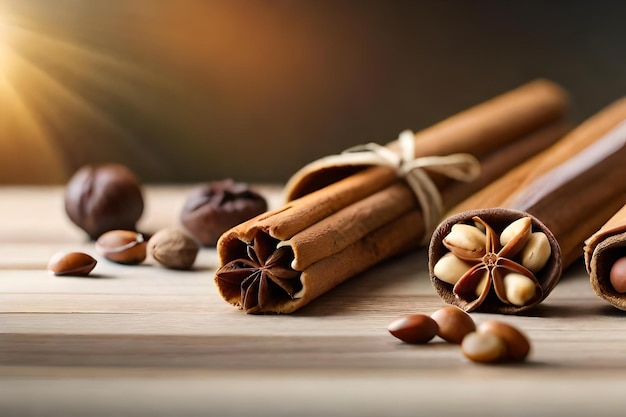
(460, 166)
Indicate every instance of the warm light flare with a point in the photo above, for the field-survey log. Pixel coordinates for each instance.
(55, 101)
(4, 49)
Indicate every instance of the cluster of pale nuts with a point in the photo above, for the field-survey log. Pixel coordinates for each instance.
(490, 342)
(171, 248)
(472, 240)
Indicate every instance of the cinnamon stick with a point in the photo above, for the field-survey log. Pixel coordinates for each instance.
(343, 220)
(568, 190)
(479, 130)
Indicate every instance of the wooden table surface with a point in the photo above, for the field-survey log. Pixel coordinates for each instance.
(146, 341)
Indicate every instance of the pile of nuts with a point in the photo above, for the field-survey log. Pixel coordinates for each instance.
(490, 342)
(483, 260)
(106, 202)
(171, 248)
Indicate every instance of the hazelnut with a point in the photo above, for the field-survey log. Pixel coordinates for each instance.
(122, 246)
(516, 342)
(617, 275)
(414, 328)
(483, 347)
(454, 324)
(173, 248)
(99, 198)
(72, 263)
(215, 207)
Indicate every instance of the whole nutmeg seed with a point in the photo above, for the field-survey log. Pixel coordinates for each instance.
(454, 324)
(99, 198)
(173, 248)
(72, 263)
(215, 207)
(122, 246)
(414, 328)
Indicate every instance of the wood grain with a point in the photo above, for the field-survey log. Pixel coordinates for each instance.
(146, 341)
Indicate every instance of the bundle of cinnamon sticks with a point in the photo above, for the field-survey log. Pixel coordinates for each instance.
(345, 216)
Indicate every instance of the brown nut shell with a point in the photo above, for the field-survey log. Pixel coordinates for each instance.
(517, 344)
(72, 264)
(498, 219)
(414, 328)
(103, 197)
(122, 246)
(483, 347)
(454, 324)
(215, 207)
(173, 248)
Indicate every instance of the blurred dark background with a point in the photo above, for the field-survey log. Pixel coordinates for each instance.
(190, 91)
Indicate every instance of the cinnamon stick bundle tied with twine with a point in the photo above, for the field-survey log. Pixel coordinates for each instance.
(503, 249)
(351, 211)
(605, 260)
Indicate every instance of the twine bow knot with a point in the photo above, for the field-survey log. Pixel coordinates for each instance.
(460, 166)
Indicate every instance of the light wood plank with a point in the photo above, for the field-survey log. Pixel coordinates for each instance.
(147, 341)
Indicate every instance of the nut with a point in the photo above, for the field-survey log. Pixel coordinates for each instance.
(99, 198)
(173, 248)
(522, 225)
(468, 241)
(453, 324)
(72, 263)
(537, 251)
(617, 276)
(414, 328)
(450, 268)
(122, 246)
(484, 281)
(213, 208)
(517, 344)
(519, 288)
(483, 347)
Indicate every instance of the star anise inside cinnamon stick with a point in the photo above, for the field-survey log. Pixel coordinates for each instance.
(262, 275)
(481, 260)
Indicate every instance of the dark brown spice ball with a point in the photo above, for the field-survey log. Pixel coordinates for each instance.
(215, 207)
(104, 197)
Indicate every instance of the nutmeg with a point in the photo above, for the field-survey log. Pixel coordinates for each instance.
(173, 248)
(99, 198)
(215, 207)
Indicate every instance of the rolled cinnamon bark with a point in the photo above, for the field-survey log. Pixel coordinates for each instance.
(605, 254)
(345, 219)
(569, 190)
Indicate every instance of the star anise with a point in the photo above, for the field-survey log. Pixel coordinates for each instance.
(262, 275)
(494, 262)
